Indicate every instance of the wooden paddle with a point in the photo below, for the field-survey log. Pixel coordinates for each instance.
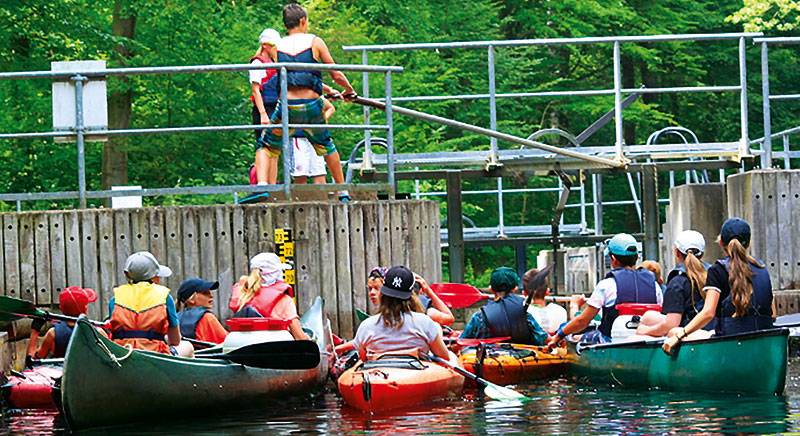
(492, 390)
(11, 308)
(301, 354)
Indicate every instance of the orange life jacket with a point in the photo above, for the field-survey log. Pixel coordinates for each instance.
(264, 300)
(140, 316)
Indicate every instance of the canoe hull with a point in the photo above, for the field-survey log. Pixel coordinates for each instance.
(511, 364)
(390, 388)
(747, 363)
(96, 392)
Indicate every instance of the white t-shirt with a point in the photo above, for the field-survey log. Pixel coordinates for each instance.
(257, 75)
(416, 332)
(549, 317)
(605, 294)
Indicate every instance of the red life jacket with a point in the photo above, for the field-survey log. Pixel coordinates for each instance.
(264, 300)
(270, 72)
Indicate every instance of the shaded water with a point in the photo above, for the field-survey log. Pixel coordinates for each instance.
(559, 407)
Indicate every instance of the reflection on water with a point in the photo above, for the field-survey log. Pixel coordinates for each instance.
(558, 407)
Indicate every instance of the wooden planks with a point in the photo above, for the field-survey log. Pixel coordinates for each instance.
(336, 245)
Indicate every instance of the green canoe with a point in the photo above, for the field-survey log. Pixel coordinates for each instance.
(745, 363)
(95, 392)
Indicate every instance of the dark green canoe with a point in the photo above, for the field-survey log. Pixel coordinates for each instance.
(746, 363)
(96, 392)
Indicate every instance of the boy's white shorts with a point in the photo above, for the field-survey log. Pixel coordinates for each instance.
(305, 161)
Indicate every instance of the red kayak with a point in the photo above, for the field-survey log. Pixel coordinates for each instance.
(32, 388)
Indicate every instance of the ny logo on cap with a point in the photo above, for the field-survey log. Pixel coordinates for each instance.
(397, 282)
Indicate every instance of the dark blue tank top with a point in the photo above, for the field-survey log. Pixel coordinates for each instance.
(63, 332)
(759, 316)
(633, 286)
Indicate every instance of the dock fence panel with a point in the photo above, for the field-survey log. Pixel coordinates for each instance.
(305, 254)
(371, 251)
(384, 235)
(174, 235)
(123, 244)
(155, 231)
(240, 259)
(327, 265)
(783, 193)
(770, 247)
(358, 263)
(109, 240)
(225, 265)
(74, 249)
(794, 227)
(11, 255)
(208, 238)
(266, 228)
(58, 260)
(398, 228)
(140, 236)
(416, 261)
(191, 250)
(88, 220)
(344, 281)
(27, 257)
(42, 242)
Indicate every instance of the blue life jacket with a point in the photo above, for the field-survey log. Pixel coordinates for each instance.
(270, 91)
(633, 286)
(302, 54)
(426, 302)
(188, 319)
(507, 317)
(248, 312)
(63, 332)
(759, 316)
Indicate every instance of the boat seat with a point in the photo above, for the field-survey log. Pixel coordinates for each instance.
(394, 361)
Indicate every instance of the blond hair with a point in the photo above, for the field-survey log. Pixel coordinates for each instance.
(695, 271)
(250, 286)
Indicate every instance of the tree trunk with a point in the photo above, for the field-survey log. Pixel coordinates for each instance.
(115, 153)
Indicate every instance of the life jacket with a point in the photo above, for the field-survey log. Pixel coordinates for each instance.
(188, 320)
(759, 316)
(633, 286)
(63, 332)
(140, 316)
(680, 270)
(425, 301)
(271, 73)
(264, 300)
(507, 317)
(297, 48)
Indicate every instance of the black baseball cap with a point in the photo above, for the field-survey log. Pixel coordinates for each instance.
(539, 278)
(735, 228)
(398, 283)
(192, 285)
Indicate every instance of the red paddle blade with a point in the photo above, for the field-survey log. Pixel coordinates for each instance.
(485, 341)
(458, 294)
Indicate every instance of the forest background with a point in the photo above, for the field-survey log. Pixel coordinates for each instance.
(170, 32)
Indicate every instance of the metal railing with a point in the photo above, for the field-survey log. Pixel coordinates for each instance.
(652, 149)
(81, 131)
(766, 141)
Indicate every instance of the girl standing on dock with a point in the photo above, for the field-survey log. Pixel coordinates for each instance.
(738, 289)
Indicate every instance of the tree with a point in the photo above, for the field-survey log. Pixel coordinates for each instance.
(761, 15)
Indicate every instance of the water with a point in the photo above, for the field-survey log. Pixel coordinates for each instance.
(560, 406)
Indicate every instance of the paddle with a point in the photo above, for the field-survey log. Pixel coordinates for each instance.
(199, 343)
(19, 308)
(361, 315)
(791, 320)
(471, 342)
(458, 294)
(492, 390)
(300, 354)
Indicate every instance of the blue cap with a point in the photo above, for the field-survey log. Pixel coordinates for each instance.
(622, 244)
(735, 228)
(192, 285)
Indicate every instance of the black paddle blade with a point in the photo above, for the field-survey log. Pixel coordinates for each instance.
(302, 354)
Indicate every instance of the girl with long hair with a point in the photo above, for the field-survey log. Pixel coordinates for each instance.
(263, 293)
(399, 324)
(684, 296)
(738, 289)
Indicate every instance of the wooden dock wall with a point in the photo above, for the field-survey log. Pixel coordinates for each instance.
(770, 201)
(335, 246)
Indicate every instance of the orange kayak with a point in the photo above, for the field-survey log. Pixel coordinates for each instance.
(394, 381)
(511, 364)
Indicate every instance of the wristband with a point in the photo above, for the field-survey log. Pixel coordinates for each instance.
(560, 332)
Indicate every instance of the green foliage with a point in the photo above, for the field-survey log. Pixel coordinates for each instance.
(168, 32)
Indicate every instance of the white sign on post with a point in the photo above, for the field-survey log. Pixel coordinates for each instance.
(95, 106)
(127, 201)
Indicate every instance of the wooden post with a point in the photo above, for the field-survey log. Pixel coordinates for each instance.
(650, 211)
(455, 227)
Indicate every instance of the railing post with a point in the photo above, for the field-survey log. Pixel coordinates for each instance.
(744, 146)
(390, 136)
(80, 130)
(287, 150)
(367, 159)
(455, 226)
(650, 215)
(493, 158)
(597, 198)
(766, 158)
(618, 102)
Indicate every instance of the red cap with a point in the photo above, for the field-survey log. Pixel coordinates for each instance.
(73, 300)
